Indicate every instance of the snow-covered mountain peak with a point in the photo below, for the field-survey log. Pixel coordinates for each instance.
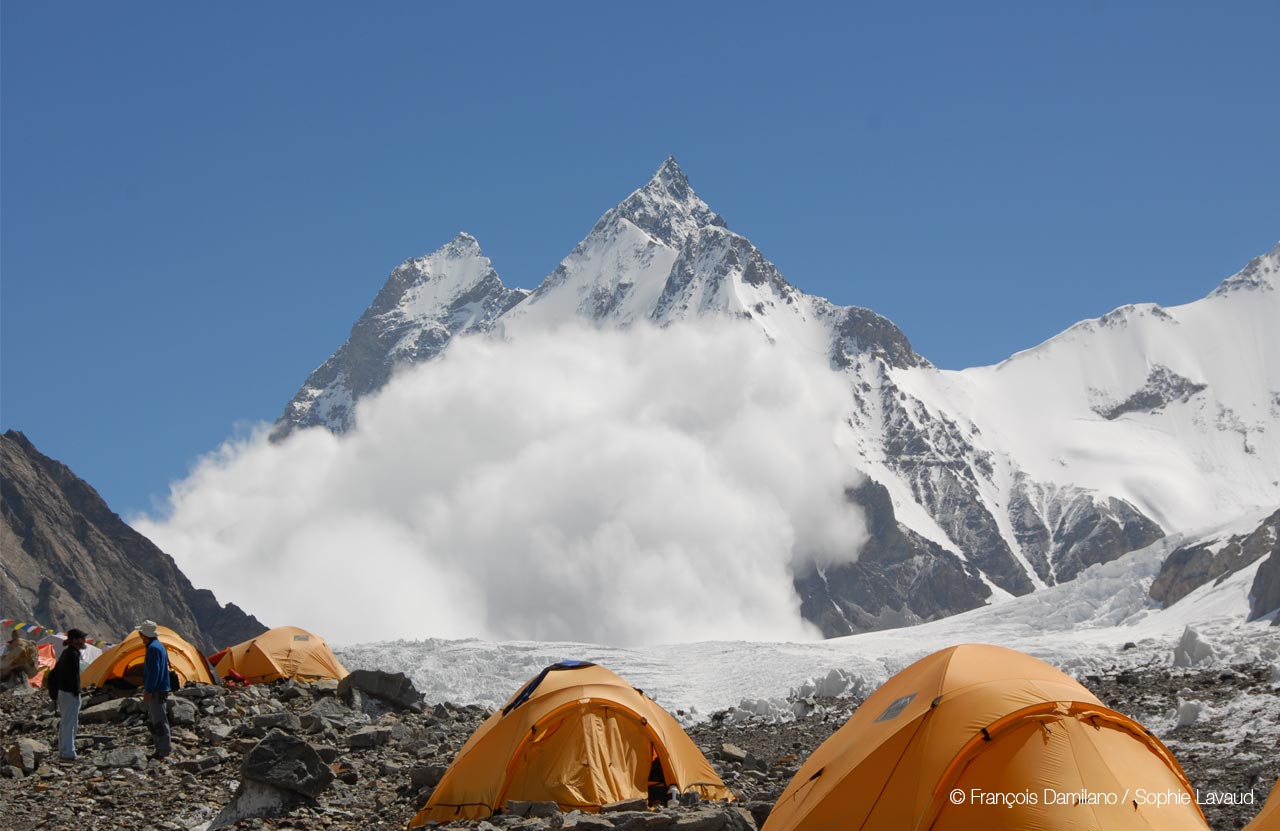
(991, 481)
(1261, 274)
(670, 171)
(666, 208)
(463, 245)
(459, 261)
(424, 303)
(618, 271)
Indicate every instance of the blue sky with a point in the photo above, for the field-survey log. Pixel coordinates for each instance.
(196, 203)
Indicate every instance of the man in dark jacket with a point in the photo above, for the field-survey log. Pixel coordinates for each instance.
(65, 678)
(155, 687)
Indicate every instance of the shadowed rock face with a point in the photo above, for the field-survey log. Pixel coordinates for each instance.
(70, 561)
(1265, 593)
(1189, 567)
(943, 469)
(900, 578)
(862, 331)
(1063, 530)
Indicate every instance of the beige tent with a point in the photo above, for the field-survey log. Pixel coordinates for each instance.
(577, 735)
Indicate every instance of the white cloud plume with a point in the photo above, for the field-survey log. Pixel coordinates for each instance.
(622, 487)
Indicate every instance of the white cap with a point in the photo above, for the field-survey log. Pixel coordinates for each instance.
(147, 628)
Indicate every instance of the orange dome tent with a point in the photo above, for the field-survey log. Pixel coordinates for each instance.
(1268, 819)
(283, 652)
(46, 658)
(124, 661)
(983, 737)
(577, 735)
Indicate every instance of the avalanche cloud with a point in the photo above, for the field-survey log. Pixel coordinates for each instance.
(619, 487)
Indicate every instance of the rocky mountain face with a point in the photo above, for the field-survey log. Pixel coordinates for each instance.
(1265, 592)
(1198, 562)
(996, 480)
(899, 579)
(1063, 529)
(69, 561)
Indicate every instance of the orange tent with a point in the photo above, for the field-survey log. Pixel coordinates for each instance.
(124, 661)
(577, 735)
(44, 662)
(983, 737)
(283, 652)
(1268, 819)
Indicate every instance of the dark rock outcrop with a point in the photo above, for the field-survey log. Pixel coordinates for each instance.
(900, 578)
(863, 332)
(26, 754)
(1064, 530)
(391, 687)
(287, 762)
(1189, 567)
(1264, 596)
(932, 455)
(1163, 387)
(70, 561)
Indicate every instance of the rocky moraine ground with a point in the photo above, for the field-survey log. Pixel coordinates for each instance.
(367, 755)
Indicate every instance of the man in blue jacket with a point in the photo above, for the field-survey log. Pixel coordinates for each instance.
(155, 687)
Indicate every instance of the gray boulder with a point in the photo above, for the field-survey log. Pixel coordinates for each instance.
(287, 762)
(123, 757)
(426, 776)
(393, 688)
(329, 708)
(542, 810)
(284, 720)
(732, 753)
(202, 764)
(217, 733)
(370, 737)
(759, 811)
(181, 711)
(116, 709)
(641, 819)
(257, 799)
(705, 819)
(26, 755)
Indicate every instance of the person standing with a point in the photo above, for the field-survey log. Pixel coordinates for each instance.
(65, 678)
(18, 658)
(14, 646)
(155, 688)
